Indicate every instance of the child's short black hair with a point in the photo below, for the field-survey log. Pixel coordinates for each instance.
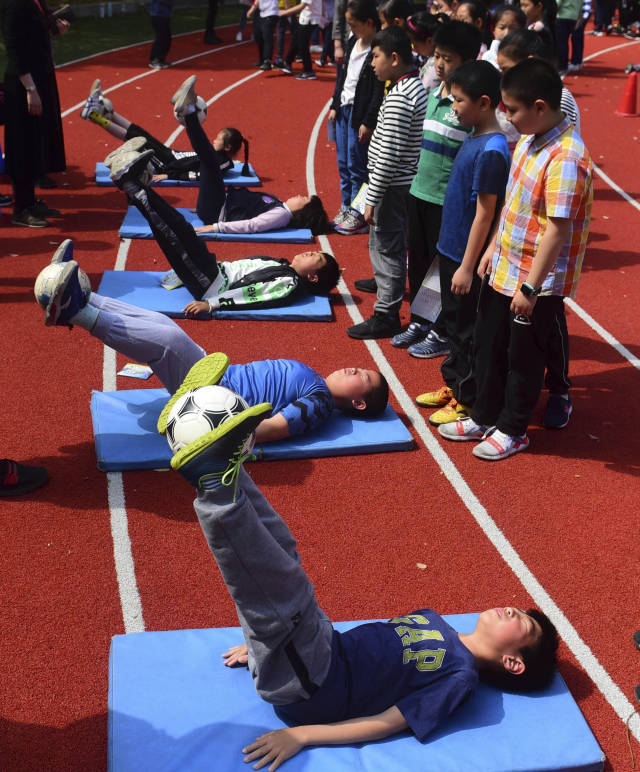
(395, 9)
(476, 79)
(312, 216)
(539, 661)
(520, 44)
(459, 37)
(533, 79)
(363, 10)
(328, 277)
(393, 40)
(499, 11)
(422, 25)
(478, 11)
(376, 400)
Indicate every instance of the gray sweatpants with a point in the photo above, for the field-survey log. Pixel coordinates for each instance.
(147, 337)
(287, 634)
(388, 249)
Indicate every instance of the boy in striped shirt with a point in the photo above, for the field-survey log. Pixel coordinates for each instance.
(532, 263)
(393, 162)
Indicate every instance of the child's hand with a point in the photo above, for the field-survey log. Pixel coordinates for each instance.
(364, 134)
(461, 281)
(332, 116)
(338, 52)
(196, 307)
(159, 177)
(485, 264)
(273, 747)
(522, 305)
(203, 228)
(236, 655)
(368, 215)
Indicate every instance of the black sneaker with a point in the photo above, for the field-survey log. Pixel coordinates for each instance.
(283, 67)
(379, 326)
(40, 209)
(366, 285)
(266, 65)
(305, 76)
(5, 200)
(211, 39)
(558, 411)
(45, 182)
(16, 479)
(29, 219)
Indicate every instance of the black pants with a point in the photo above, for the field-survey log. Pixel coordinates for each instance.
(267, 26)
(161, 152)
(300, 45)
(458, 316)
(211, 195)
(186, 252)
(557, 377)
(162, 43)
(424, 229)
(510, 357)
(212, 12)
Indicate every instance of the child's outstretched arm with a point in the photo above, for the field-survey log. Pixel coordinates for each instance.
(274, 748)
(480, 227)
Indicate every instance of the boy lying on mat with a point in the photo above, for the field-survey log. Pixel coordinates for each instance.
(301, 398)
(371, 682)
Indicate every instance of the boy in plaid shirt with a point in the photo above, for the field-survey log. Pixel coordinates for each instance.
(533, 262)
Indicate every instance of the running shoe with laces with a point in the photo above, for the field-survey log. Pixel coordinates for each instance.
(135, 144)
(205, 372)
(452, 411)
(463, 430)
(131, 166)
(305, 76)
(432, 346)
(438, 398)
(184, 97)
(499, 445)
(414, 333)
(67, 296)
(339, 218)
(352, 223)
(558, 411)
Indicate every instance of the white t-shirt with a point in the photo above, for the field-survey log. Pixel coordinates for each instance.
(311, 13)
(356, 60)
(268, 8)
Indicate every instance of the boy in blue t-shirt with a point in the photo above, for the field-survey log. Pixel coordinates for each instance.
(472, 202)
(371, 682)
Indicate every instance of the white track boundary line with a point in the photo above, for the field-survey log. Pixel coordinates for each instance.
(609, 689)
(604, 334)
(130, 601)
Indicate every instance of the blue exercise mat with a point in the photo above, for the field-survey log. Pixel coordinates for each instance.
(124, 427)
(174, 706)
(143, 289)
(232, 177)
(134, 226)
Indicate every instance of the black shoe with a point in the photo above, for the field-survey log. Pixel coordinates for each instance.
(266, 65)
(636, 639)
(5, 200)
(16, 479)
(42, 210)
(366, 285)
(29, 219)
(211, 39)
(379, 326)
(45, 182)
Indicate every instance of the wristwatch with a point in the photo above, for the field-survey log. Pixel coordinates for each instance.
(528, 290)
(30, 88)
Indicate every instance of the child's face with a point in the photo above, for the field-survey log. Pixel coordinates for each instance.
(445, 61)
(422, 46)
(509, 629)
(463, 14)
(361, 29)
(440, 6)
(532, 10)
(220, 143)
(352, 386)
(468, 110)
(308, 263)
(505, 63)
(505, 24)
(383, 65)
(527, 119)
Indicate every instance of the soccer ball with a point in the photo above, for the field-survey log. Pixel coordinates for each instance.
(200, 411)
(201, 111)
(106, 106)
(47, 281)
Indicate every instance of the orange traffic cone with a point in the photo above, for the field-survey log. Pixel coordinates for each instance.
(628, 106)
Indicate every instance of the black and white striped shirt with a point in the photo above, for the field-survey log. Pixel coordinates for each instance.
(395, 145)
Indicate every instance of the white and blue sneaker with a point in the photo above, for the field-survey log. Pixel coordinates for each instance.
(64, 252)
(65, 294)
(499, 445)
(463, 430)
(431, 346)
(414, 333)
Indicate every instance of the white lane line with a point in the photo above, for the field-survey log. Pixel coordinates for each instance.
(596, 54)
(148, 73)
(609, 689)
(604, 334)
(124, 562)
(616, 187)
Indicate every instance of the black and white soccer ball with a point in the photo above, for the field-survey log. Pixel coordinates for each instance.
(200, 411)
(201, 111)
(106, 106)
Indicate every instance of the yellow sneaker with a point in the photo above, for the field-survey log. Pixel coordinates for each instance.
(449, 413)
(206, 372)
(438, 398)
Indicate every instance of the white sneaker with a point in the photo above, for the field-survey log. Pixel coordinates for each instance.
(499, 445)
(462, 430)
(315, 49)
(239, 36)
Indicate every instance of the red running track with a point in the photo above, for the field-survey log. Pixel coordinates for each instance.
(568, 506)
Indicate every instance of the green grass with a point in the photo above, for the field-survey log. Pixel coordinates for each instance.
(90, 36)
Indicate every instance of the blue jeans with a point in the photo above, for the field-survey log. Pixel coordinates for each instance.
(352, 157)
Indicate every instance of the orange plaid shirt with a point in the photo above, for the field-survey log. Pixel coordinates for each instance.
(551, 176)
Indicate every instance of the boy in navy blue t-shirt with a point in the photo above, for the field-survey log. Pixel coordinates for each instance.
(472, 202)
(371, 682)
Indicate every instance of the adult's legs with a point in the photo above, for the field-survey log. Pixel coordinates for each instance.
(287, 634)
(146, 337)
(210, 27)
(388, 249)
(268, 26)
(212, 193)
(184, 249)
(162, 43)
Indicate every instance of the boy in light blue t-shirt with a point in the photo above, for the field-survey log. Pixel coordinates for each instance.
(472, 201)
